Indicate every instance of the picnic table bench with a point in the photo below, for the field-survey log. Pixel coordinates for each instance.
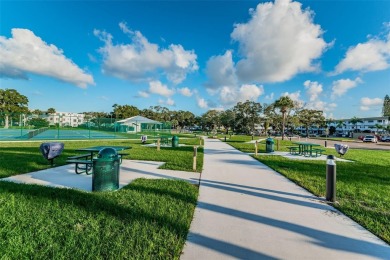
(294, 150)
(164, 140)
(318, 151)
(84, 162)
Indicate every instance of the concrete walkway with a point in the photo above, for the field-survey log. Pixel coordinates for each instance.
(248, 211)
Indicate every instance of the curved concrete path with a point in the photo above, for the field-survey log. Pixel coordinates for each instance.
(248, 211)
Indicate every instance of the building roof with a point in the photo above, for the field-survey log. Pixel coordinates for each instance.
(137, 120)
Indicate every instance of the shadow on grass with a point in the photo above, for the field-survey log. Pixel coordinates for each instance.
(100, 202)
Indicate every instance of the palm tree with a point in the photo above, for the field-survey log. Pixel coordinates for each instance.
(284, 104)
(354, 120)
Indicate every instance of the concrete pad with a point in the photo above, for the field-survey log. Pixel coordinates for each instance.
(65, 176)
(300, 157)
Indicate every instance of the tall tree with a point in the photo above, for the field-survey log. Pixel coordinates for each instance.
(211, 119)
(228, 118)
(284, 104)
(51, 110)
(247, 114)
(386, 106)
(354, 121)
(11, 101)
(125, 111)
(309, 118)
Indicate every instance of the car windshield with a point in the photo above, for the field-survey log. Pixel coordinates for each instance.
(369, 136)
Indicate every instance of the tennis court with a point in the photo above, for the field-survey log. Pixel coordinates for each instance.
(75, 134)
(12, 134)
(49, 134)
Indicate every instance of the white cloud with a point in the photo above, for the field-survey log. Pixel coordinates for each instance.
(202, 103)
(143, 94)
(341, 86)
(231, 95)
(105, 98)
(220, 71)
(185, 91)
(168, 101)
(294, 96)
(278, 42)
(369, 56)
(27, 53)
(156, 87)
(313, 89)
(270, 96)
(321, 105)
(369, 103)
(142, 60)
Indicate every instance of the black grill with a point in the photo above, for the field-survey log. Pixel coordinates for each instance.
(51, 150)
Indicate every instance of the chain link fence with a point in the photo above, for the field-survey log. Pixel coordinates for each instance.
(69, 126)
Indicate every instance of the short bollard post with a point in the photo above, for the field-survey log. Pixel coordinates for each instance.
(331, 178)
(277, 144)
(256, 148)
(252, 137)
(158, 144)
(225, 138)
(200, 140)
(194, 159)
(325, 143)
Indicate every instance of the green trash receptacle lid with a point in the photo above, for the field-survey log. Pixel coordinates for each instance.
(107, 153)
(270, 140)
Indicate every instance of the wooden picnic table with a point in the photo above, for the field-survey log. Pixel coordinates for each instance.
(306, 148)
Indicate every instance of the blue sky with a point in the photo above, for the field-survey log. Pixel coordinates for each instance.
(81, 56)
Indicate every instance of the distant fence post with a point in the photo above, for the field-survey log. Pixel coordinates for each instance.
(194, 158)
(256, 148)
(158, 144)
(277, 144)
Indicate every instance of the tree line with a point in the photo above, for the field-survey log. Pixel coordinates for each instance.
(283, 116)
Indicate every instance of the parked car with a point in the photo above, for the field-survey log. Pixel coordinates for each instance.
(385, 138)
(370, 138)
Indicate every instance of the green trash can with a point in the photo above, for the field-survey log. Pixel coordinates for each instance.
(269, 145)
(106, 170)
(175, 141)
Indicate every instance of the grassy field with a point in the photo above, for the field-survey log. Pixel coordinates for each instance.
(22, 157)
(148, 219)
(363, 186)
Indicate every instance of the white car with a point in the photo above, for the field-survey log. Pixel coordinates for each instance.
(370, 138)
(385, 138)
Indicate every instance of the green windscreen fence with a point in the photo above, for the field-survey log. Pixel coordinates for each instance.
(73, 126)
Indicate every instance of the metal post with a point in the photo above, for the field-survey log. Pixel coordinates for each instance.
(194, 159)
(331, 178)
(158, 144)
(225, 138)
(200, 140)
(252, 137)
(256, 148)
(277, 144)
(325, 143)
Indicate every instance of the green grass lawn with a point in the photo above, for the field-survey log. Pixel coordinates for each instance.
(363, 187)
(148, 219)
(23, 157)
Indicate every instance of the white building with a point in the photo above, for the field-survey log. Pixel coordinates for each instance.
(65, 119)
(368, 123)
